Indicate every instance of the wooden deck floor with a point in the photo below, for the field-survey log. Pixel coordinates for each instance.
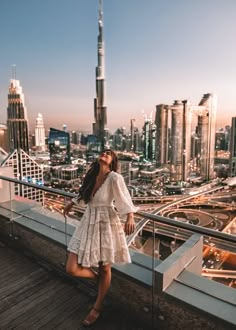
(32, 297)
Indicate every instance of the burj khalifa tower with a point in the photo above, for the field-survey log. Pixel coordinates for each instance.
(100, 110)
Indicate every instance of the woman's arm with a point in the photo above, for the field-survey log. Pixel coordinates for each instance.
(129, 224)
(67, 208)
(123, 201)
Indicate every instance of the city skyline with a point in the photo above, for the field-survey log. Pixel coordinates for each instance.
(156, 52)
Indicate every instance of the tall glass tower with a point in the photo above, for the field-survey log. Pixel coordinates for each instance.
(180, 140)
(161, 122)
(100, 110)
(149, 139)
(206, 132)
(17, 122)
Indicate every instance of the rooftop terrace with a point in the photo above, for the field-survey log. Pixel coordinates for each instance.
(34, 297)
(149, 293)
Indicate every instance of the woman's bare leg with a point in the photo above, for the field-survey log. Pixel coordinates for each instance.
(76, 270)
(103, 284)
(103, 287)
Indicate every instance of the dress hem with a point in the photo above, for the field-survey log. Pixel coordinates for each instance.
(105, 262)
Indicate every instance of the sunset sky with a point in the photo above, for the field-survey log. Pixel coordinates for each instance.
(156, 51)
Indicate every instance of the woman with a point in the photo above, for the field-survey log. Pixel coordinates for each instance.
(99, 239)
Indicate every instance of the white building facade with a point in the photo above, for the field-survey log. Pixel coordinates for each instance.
(25, 169)
(40, 133)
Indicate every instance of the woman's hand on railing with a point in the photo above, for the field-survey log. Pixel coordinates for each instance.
(67, 208)
(129, 224)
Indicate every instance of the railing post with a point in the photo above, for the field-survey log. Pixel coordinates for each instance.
(11, 234)
(155, 255)
(153, 277)
(10, 195)
(188, 256)
(66, 241)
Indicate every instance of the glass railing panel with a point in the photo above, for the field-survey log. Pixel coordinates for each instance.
(218, 254)
(36, 205)
(155, 238)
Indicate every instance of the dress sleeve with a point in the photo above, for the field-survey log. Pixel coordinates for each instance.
(123, 201)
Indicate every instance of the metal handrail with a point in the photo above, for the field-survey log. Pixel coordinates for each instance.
(189, 227)
(153, 217)
(43, 188)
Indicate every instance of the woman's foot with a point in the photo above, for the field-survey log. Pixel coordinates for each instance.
(92, 317)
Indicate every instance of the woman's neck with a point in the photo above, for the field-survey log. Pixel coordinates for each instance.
(104, 169)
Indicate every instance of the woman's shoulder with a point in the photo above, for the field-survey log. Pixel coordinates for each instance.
(115, 176)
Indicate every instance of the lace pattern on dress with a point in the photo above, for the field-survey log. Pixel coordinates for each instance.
(99, 236)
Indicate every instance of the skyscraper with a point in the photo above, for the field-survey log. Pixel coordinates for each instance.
(176, 140)
(59, 147)
(186, 153)
(227, 136)
(149, 139)
(161, 122)
(180, 140)
(232, 161)
(17, 123)
(3, 137)
(132, 128)
(40, 133)
(74, 137)
(206, 134)
(220, 140)
(100, 110)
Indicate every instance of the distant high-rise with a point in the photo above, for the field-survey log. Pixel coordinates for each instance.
(137, 140)
(100, 110)
(3, 137)
(119, 139)
(132, 128)
(180, 140)
(176, 140)
(74, 137)
(232, 164)
(40, 133)
(135, 137)
(220, 140)
(206, 134)
(161, 122)
(17, 123)
(59, 147)
(227, 137)
(149, 139)
(187, 127)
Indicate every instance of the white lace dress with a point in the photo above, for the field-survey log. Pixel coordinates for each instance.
(99, 235)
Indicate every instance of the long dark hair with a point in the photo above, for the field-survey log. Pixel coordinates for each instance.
(85, 191)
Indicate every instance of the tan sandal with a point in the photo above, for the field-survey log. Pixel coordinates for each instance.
(92, 317)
